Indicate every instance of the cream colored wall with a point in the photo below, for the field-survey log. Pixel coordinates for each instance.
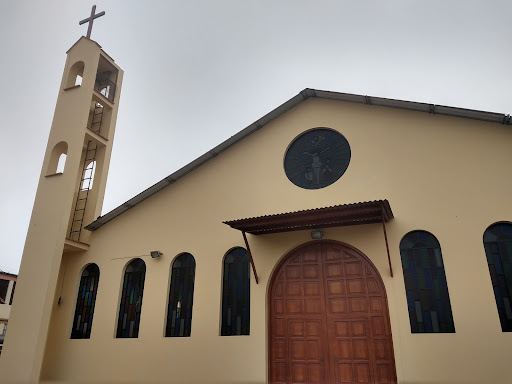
(5, 309)
(440, 174)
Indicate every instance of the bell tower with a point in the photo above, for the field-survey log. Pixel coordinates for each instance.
(69, 196)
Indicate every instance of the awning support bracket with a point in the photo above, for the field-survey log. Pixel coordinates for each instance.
(250, 257)
(386, 239)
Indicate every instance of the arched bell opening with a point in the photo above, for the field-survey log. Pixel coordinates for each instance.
(75, 75)
(57, 158)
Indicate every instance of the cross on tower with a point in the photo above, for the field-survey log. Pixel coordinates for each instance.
(90, 20)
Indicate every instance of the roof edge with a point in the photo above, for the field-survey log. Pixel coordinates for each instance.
(84, 38)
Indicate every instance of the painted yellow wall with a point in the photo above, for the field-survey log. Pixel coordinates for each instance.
(441, 174)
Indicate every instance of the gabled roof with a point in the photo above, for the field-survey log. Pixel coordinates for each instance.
(307, 93)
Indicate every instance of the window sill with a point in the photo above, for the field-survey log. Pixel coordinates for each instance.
(73, 87)
(54, 174)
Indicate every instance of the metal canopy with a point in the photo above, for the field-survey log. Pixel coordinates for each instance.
(378, 211)
(336, 216)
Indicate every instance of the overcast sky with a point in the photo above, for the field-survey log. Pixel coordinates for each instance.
(197, 72)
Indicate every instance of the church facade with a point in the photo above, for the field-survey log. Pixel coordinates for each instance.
(338, 239)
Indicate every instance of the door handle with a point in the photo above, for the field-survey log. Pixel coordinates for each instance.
(336, 359)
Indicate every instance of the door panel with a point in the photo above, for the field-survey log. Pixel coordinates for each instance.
(306, 350)
(298, 326)
(329, 320)
(351, 349)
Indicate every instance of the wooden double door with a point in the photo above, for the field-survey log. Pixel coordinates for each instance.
(329, 319)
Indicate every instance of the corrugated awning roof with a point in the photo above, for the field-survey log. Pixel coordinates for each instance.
(335, 216)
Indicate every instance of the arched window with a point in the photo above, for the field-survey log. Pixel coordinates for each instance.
(57, 160)
(498, 249)
(236, 293)
(428, 300)
(181, 296)
(85, 302)
(75, 75)
(128, 321)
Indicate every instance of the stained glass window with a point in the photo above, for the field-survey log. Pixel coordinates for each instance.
(85, 302)
(317, 158)
(428, 300)
(181, 296)
(236, 293)
(128, 321)
(498, 249)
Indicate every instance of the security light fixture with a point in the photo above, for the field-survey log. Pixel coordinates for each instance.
(156, 254)
(316, 234)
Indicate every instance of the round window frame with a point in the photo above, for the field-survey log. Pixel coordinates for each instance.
(296, 138)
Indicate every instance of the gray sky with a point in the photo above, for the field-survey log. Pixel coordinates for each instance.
(197, 72)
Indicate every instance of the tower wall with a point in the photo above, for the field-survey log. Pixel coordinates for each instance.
(49, 231)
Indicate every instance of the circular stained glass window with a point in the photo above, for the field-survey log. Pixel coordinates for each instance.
(317, 158)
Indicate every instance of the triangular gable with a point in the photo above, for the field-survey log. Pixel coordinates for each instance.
(307, 93)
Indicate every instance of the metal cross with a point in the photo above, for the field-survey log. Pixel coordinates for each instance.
(90, 20)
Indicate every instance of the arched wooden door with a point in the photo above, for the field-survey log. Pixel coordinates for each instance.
(329, 319)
